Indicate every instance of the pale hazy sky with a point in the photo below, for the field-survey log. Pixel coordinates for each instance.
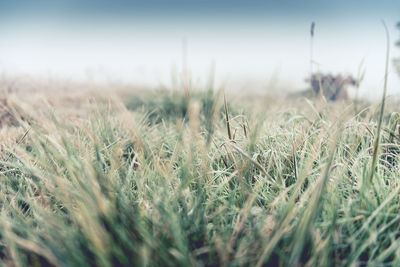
(250, 42)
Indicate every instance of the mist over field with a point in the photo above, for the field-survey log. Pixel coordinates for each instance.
(259, 46)
(199, 133)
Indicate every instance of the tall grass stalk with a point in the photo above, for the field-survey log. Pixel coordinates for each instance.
(382, 109)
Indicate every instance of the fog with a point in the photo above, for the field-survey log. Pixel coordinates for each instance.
(245, 52)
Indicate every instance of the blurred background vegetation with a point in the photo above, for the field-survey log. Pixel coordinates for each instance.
(397, 60)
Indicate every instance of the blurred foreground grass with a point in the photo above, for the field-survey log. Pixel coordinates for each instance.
(174, 179)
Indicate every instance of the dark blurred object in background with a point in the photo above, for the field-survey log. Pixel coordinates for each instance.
(332, 87)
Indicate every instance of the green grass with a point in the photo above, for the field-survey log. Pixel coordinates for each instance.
(158, 182)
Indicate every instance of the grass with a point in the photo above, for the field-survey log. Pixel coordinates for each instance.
(199, 180)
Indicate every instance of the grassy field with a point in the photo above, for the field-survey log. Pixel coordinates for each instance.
(192, 179)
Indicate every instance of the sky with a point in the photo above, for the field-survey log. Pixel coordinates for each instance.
(250, 45)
